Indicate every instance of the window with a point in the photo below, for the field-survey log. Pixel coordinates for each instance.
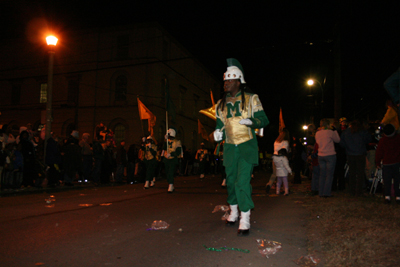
(121, 84)
(123, 47)
(16, 94)
(119, 133)
(43, 93)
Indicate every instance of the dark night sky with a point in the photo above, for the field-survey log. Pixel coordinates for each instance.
(271, 40)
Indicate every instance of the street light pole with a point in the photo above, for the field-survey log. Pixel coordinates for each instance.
(51, 42)
(310, 82)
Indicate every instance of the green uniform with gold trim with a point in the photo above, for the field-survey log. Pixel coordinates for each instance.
(241, 146)
(172, 151)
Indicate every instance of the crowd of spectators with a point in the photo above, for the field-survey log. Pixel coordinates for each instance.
(337, 155)
(25, 161)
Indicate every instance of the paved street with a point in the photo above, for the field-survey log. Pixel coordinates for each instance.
(107, 226)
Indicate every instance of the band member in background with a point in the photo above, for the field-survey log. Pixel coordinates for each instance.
(171, 152)
(202, 157)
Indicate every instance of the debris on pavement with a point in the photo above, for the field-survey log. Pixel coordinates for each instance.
(222, 208)
(268, 247)
(158, 225)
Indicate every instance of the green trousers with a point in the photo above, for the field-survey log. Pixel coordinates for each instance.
(150, 168)
(202, 166)
(238, 176)
(170, 169)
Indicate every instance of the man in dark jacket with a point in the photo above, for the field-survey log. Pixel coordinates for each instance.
(28, 152)
(53, 161)
(121, 159)
(72, 162)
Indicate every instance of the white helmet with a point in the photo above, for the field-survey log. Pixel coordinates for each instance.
(171, 132)
(234, 72)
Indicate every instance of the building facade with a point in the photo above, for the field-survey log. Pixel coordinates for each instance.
(98, 76)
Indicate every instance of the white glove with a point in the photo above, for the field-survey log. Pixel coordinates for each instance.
(218, 135)
(247, 122)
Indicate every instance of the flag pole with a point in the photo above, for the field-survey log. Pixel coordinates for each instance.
(166, 108)
(166, 122)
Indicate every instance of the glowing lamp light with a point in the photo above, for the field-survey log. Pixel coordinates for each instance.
(305, 127)
(310, 82)
(51, 40)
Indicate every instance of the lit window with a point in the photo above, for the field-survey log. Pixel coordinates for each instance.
(43, 93)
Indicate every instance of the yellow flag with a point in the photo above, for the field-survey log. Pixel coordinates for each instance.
(212, 98)
(281, 122)
(145, 114)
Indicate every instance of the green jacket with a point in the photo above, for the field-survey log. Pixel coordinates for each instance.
(238, 135)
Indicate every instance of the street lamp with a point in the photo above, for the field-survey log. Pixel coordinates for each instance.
(310, 83)
(51, 43)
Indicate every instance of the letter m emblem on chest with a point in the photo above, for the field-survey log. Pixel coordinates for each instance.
(233, 109)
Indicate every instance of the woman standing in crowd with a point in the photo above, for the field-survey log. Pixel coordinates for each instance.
(325, 138)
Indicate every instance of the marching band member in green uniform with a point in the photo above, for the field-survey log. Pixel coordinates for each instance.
(171, 152)
(238, 114)
(150, 160)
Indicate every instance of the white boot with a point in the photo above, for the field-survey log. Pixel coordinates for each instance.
(146, 185)
(244, 220)
(233, 216)
(223, 183)
(170, 188)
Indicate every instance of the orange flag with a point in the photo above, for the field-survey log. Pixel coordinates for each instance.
(281, 122)
(212, 98)
(202, 130)
(145, 114)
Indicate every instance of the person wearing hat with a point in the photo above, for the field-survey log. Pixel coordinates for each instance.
(238, 114)
(150, 161)
(202, 157)
(387, 157)
(171, 152)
